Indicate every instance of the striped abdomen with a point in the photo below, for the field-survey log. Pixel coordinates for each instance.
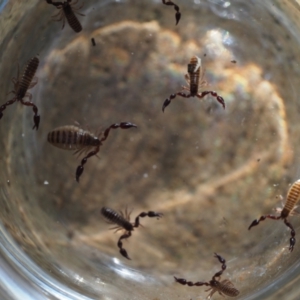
(71, 137)
(194, 68)
(116, 218)
(225, 287)
(71, 18)
(27, 77)
(292, 198)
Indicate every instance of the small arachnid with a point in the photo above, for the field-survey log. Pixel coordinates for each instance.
(74, 138)
(21, 86)
(122, 220)
(195, 80)
(67, 11)
(176, 7)
(292, 198)
(225, 286)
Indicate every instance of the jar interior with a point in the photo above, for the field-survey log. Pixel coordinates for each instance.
(210, 171)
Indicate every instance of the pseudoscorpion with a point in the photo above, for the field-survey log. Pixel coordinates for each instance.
(225, 286)
(122, 220)
(67, 11)
(195, 80)
(21, 85)
(292, 198)
(72, 137)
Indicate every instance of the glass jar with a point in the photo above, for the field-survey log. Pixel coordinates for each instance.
(210, 171)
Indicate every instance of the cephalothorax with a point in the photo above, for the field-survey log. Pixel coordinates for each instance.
(195, 81)
(224, 287)
(21, 86)
(74, 138)
(122, 220)
(292, 198)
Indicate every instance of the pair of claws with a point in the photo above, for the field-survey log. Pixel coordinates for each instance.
(198, 95)
(293, 233)
(176, 7)
(122, 125)
(36, 117)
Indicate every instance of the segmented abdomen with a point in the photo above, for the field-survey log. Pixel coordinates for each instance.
(71, 18)
(114, 217)
(194, 71)
(27, 76)
(293, 196)
(227, 288)
(71, 137)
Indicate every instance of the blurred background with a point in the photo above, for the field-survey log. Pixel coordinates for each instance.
(210, 171)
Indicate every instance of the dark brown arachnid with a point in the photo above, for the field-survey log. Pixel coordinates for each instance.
(71, 137)
(122, 220)
(176, 7)
(292, 198)
(225, 286)
(67, 11)
(194, 79)
(21, 85)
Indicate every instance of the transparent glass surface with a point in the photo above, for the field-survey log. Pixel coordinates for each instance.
(210, 171)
